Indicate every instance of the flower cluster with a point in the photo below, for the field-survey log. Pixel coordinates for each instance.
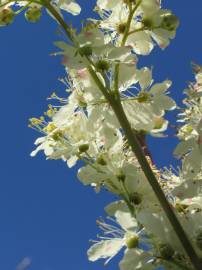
(102, 75)
(150, 23)
(190, 134)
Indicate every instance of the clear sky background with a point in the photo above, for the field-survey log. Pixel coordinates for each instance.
(45, 213)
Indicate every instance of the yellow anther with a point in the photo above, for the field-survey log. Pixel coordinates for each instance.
(35, 121)
(50, 127)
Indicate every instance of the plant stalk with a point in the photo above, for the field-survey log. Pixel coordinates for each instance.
(137, 150)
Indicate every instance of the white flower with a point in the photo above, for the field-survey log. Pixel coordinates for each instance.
(145, 110)
(66, 135)
(92, 46)
(124, 234)
(150, 24)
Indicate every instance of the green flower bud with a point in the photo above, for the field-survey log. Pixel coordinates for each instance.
(170, 22)
(101, 161)
(148, 23)
(85, 50)
(33, 14)
(83, 148)
(136, 198)
(6, 16)
(199, 240)
(132, 240)
(166, 251)
(57, 135)
(102, 65)
(121, 28)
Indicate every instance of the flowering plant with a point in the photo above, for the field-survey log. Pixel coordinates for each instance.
(110, 108)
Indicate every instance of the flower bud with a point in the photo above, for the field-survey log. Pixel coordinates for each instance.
(83, 148)
(170, 22)
(85, 50)
(33, 14)
(102, 65)
(57, 135)
(132, 240)
(136, 198)
(166, 251)
(121, 28)
(6, 16)
(148, 23)
(101, 161)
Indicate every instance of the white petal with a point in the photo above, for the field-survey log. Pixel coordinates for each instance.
(141, 43)
(164, 103)
(113, 207)
(136, 259)
(160, 88)
(183, 147)
(188, 189)
(105, 249)
(162, 37)
(69, 6)
(158, 224)
(126, 221)
(144, 77)
(87, 175)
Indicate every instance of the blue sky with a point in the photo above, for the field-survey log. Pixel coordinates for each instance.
(45, 213)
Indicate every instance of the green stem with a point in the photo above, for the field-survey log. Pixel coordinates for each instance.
(143, 28)
(137, 30)
(137, 150)
(125, 36)
(130, 17)
(60, 20)
(23, 8)
(116, 80)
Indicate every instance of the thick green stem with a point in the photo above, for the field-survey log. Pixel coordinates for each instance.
(136, 148)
